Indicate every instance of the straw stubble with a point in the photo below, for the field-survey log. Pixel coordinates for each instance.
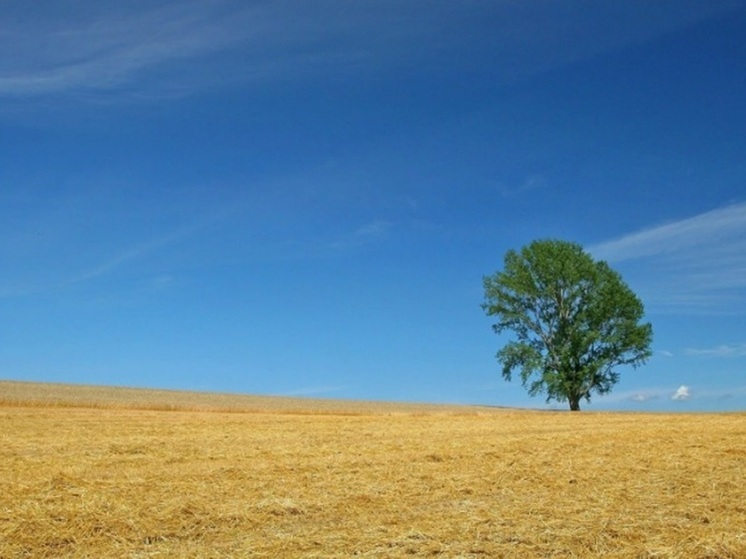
(430, 481)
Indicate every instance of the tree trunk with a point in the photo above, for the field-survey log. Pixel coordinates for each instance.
(574, 403)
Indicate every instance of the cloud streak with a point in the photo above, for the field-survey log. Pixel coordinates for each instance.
(69, 47)
(108, 47)
(697, 264)
(369, 233)
(131, 254)
(644, 396)
(724, 350)
(681, 394)
(157, 243)
(701, 231)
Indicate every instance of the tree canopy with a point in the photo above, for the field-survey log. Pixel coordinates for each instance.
(574, 319)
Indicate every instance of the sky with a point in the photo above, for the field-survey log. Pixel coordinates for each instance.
(302, 198)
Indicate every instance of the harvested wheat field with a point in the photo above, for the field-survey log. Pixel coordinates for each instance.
(260, 477)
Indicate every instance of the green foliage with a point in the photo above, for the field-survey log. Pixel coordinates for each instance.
(574, 319)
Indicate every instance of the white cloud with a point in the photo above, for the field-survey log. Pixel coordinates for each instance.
(644, 396)
(683, 393)
(665, 353)
(723, 350)
(694, 265)
(103, 46)
(638, 395)
(703, 230)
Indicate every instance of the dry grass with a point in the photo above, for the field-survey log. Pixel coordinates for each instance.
(25, 394)
(363, 481)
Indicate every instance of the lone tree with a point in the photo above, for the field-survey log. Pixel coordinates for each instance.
(575, 321)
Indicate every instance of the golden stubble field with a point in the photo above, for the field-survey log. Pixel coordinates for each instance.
(92, 472)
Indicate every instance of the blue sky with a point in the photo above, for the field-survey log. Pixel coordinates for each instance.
(301, 198)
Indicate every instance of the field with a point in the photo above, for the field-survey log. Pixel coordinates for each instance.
(97, 472)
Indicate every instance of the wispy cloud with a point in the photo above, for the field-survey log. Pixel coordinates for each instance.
(723, 350)
(719, 393)
(155, 244)
(365, 234)
(665, 353)
(130, 254)
(708, 230)
(682, 393)
(638, 395)
(644, 396)
(83, 234)
(530, 184)
(374, 229)
(104, 46)
(101, 47)
(102, 268)
(697, 264)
